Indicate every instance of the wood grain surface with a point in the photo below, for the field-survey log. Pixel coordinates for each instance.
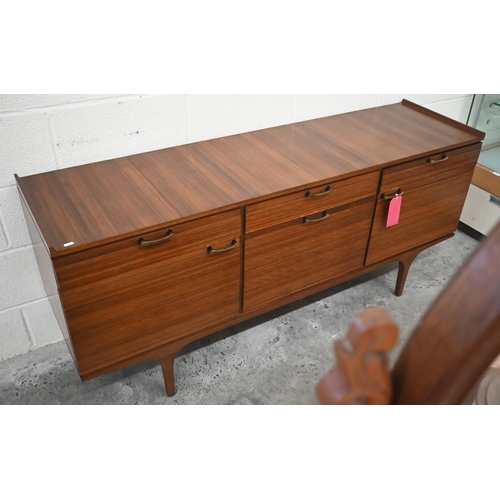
(107, 201)
(431, 204)
(127, 258)
(125, 318)
(300, 255)
(285, 208)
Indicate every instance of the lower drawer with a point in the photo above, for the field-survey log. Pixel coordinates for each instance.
(481, 210)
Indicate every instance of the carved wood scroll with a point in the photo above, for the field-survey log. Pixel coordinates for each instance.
(361, 375)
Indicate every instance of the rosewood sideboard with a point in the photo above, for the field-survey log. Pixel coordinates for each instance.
(142, 255)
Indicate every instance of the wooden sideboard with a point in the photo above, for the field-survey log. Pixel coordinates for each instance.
(144, 254)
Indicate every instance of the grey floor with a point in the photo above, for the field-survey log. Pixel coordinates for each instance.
(277, 358)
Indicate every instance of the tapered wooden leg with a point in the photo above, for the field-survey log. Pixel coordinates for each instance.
(404, 267)
(167, 364)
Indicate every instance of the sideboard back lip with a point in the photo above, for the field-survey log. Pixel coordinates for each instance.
(478, 134)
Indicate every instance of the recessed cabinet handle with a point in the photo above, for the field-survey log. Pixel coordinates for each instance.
(324, 216)
(326, 191)
(145, 243)
(234, 244)
(444, 157)
(399, 192)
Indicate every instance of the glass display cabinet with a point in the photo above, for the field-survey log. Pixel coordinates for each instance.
(482, 207)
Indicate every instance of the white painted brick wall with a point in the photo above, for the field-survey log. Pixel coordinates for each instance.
(105, 130)
(213, 116)
(40, 132)
(14, 338)
(25, 146)
(312, 106)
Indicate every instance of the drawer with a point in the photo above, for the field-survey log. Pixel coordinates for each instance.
(309, 201)
(481, 210)
(299, 255)
(429, 170)
(126, 258)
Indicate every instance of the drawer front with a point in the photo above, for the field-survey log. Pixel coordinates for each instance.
(308, 201)
(125, 318)
(420, 173)
(129, 257)
(430, 208)
(298, 256)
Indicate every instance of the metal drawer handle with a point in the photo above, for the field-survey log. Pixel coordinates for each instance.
(324, 216)
(234, 244)
(327, 190)
(444, 157)
(145, 243)
(399, 192)
(494, 199)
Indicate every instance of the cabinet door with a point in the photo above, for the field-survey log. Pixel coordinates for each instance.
(301, 254)
(434, 193)
(127, 317)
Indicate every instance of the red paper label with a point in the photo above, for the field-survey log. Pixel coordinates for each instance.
(394, 211)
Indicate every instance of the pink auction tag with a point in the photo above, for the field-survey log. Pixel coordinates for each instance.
(394, 211)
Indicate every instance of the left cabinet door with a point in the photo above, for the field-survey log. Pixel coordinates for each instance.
(127, 311)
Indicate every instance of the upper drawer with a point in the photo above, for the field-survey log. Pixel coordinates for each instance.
(435, 168)
(310, 201)
(129, 257)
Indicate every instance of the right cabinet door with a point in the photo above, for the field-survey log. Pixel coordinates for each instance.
(434, 190)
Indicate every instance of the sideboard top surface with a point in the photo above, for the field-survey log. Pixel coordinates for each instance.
(102, 202)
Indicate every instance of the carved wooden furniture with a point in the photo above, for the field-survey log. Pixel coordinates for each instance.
(142, 255)
(447, 354)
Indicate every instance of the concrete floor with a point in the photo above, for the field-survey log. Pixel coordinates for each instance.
(277, 358)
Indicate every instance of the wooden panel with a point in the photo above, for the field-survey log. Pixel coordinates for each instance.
(420, 173)
(427, 214)
(487, 179)
(282, 209)
(106, 201)
(125, 318)
(351, 142)
(124, 259)
(48, 275)
(287, 260)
